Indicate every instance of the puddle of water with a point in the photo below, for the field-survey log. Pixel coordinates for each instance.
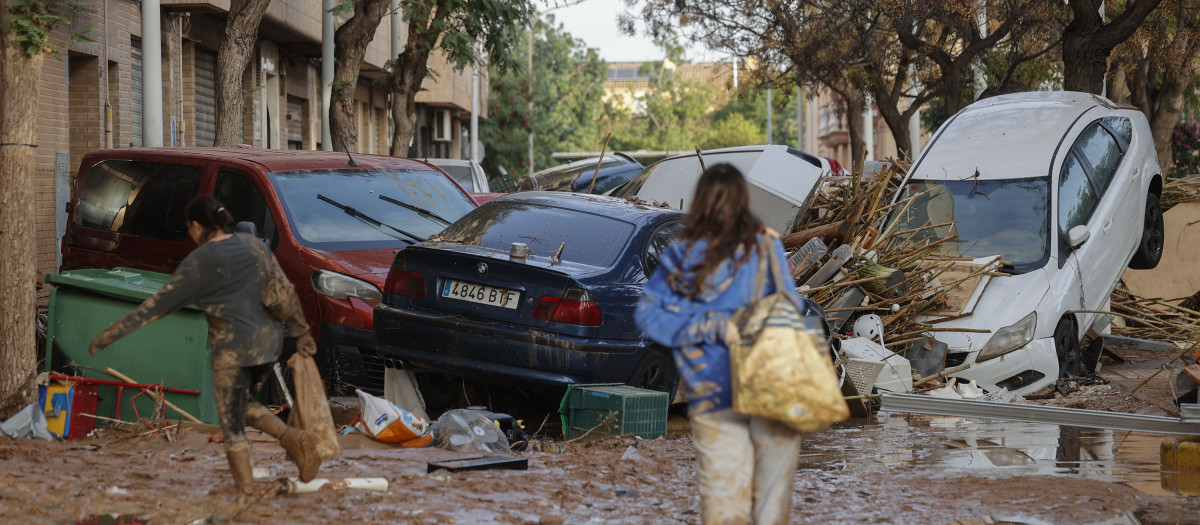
(900, 441)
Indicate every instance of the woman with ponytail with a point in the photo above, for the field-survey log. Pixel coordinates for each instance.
(224, 276)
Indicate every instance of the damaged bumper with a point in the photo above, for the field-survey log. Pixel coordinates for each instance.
(1024, 370)
(501, 352)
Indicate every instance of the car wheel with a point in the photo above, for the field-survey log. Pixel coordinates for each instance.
(1066, 344)
(654, 372)
(1149, 251)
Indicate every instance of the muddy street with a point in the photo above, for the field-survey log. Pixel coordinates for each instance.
(891, 468)
(888, 468)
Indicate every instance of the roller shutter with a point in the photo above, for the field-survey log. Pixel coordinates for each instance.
(206, 98)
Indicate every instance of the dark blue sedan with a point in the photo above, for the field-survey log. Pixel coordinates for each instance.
(531, 287)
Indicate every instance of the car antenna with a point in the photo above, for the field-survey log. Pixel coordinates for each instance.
(352, 163)
(557, 258)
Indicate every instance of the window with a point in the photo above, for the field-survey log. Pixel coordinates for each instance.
(237, 192)
(585, 238)
(1077, 197)
(1122, 127)
(1102, 152)
(139, 198)
(662, 237)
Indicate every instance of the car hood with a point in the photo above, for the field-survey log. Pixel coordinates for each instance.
(1004, 301)
(369, 265)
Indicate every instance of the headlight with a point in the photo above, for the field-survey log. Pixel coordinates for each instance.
(1009, 338)
(340, 286)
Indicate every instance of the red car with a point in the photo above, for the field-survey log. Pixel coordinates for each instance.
(334, 221)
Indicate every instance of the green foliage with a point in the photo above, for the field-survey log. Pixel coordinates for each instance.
(567, 86)
(735, 130)
(671, 115)
(494, 27)
(343, 8)
(340, 89)
(33, 21)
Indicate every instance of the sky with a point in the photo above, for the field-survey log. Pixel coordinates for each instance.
(595, 22)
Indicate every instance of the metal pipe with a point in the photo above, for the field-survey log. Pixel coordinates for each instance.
(769, 117)
(326, 71)
(475, 108)
(152, 113)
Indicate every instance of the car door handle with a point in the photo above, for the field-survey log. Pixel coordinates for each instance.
(1137, 174)
(1107, 226)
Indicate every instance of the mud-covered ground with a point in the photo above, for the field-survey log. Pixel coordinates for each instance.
(186, 480)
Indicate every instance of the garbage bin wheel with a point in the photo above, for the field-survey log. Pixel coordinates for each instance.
(1066, 343)
(654, 372)
(1150, 249)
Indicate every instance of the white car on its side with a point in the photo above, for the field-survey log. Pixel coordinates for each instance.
(1065, 187)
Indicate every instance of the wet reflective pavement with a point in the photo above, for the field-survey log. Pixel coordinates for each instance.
(987, 448)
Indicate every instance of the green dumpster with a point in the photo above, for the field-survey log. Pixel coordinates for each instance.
(172, 351)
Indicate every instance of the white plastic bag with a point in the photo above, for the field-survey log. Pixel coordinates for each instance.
(389, 423)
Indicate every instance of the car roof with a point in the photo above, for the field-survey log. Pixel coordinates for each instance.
(621, 209)
(1006, 137)
(268, 159)
(446, 162)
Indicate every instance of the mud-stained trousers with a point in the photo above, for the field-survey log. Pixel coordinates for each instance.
(747, 468)
(234, 390)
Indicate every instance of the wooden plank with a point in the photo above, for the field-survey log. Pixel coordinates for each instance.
(1133, 342)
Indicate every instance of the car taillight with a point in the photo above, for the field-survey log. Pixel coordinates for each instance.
(574, 307)
(404, 283)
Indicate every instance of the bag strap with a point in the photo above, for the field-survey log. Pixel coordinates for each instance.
(767, 251)
(760, 276)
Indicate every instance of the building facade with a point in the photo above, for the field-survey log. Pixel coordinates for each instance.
(91, 96)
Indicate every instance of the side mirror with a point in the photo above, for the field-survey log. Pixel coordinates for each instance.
(1077, 236)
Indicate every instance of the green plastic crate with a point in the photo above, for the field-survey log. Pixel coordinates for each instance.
(614, 408)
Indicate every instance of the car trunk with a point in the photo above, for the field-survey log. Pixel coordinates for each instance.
(474, 281)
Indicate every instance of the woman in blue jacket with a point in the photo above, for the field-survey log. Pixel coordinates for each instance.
(746, 464)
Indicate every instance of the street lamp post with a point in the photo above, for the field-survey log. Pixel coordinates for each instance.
(536, 18)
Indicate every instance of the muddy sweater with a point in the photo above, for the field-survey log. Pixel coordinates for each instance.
(225, 280)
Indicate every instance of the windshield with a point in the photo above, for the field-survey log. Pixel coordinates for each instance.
(320, 224)
(1009, 217)
(589, 238)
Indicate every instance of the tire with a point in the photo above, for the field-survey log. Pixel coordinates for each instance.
(656, 371)
(1150, 249)
(1066, 345)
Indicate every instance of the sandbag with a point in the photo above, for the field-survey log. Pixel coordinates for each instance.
(386, 422)
(312, 412)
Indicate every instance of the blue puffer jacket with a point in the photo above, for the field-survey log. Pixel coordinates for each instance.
(695, 328)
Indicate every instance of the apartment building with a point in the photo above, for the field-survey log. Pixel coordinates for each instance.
(91, 96)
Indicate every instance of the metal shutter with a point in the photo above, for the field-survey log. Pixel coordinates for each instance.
(136, 100)
(206, 98)
(295, 126)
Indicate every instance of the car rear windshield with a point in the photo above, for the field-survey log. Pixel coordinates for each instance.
(1007, 217)
(347, 209)
(585, 238)
(462, 174)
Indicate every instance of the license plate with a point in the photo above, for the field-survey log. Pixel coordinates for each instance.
(478, 293)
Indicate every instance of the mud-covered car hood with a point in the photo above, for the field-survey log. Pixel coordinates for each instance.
(369, 265)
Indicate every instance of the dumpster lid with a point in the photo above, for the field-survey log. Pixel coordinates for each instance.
(123, 283)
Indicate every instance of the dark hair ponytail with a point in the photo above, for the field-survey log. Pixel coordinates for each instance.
(211, 215)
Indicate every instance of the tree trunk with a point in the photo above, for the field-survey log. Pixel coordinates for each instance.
(896, 120)
(1088, 40)
(411, 71)
(855, 102)
(350, 45)
(18, 149)
(954, 82)
(234, 54)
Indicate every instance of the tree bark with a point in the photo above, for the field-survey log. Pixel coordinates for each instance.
(411, 71)
(234, 54)
(855, 102)
(350, 45)
(18, 149)
(1088, 41)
